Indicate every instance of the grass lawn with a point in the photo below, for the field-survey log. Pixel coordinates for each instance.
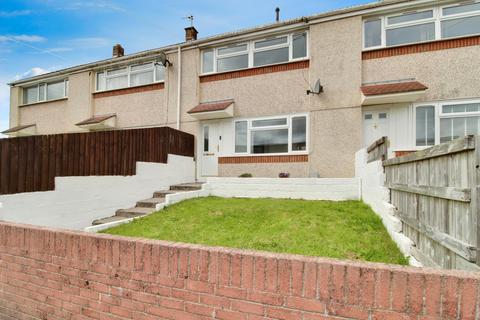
(347, 230)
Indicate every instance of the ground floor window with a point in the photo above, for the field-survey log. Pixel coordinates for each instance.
(282, 134)
(453, 120)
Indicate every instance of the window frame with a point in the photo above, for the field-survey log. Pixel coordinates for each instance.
(288, 126)
(129, 73)
(251, 51)
(45, 90)
(439, 115)
(437, 18)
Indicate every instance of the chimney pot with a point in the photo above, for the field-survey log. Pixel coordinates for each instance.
(191, 34)
(118, 51)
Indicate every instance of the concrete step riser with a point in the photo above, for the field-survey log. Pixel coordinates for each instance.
(146, 205)
(129, 214)
(180, 188)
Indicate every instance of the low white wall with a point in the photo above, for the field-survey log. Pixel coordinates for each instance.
(290, 188)
(375, 194)
(77, 201)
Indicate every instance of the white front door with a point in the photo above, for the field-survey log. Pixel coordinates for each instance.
(211, 143)
(375, 126)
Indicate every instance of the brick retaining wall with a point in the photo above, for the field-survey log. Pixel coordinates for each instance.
(54, 274)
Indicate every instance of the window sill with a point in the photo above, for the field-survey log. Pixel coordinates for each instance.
(240, 73)
(129, 90)
(421, 47)
(42, 102)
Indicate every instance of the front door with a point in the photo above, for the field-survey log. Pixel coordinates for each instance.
(375, 126)
(211, 139)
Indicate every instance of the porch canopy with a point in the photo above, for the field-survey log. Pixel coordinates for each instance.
(99, 122)
(22, 130)
(392, 92)
(213, 110)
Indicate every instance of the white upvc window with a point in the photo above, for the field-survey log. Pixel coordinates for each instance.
(255, 53)
(272, 135)
(427, 24)
(45, 91)
(441, 122)
(130, 76)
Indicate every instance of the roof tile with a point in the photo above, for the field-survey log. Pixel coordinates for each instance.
(389, 88)
(211, 106)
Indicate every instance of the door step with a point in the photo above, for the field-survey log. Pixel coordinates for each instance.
(187, 186)
(150, 203)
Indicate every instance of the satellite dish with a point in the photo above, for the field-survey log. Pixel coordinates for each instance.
(317, 89)
(162, 57)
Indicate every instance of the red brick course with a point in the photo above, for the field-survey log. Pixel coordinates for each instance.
(263, 159)
(421, 47)
(304, 64)
(117, 92)
(54, 274)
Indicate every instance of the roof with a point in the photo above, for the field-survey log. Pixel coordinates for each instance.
(334, 14)
(212, 106)
(96, 119)
(18, 128)
(390, 88)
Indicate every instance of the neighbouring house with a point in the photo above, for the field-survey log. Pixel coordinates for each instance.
(406, 69)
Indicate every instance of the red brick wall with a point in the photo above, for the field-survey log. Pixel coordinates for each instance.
(48, 274)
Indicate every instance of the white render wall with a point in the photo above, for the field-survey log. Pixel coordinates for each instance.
(77, 201)
(290, 188)
(377, 196)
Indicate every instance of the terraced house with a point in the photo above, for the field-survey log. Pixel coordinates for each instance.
(406, 69)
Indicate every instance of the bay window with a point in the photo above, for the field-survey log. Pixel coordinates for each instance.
(276, 135)
(273, 50)
(46, 91)
(415, 26)
(130, 76)
(454, 120)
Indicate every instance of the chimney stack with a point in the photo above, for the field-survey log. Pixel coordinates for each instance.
(277, 14)
(191, 34)
(118, 51)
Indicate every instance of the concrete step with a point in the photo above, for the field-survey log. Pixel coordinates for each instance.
(150, 203)
(162, 193)
(107, 220)
(187, 186)
(134, 212)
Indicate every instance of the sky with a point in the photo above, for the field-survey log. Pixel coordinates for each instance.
(38, 36)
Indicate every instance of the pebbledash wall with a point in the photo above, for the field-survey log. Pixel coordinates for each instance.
(54, 274)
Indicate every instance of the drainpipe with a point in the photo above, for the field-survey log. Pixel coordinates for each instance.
(179, 85)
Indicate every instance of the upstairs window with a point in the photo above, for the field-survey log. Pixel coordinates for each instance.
(440, 22)
(273, 50)
(131, 76)
(45, 91)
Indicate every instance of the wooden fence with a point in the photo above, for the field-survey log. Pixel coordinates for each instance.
(378, 150)
(436, 193)
(31, 163)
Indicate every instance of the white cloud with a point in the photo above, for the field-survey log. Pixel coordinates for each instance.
(59, 49)
(82, 5)
(21, 38)
(89, 42)
(15, 13)
(35, 71)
